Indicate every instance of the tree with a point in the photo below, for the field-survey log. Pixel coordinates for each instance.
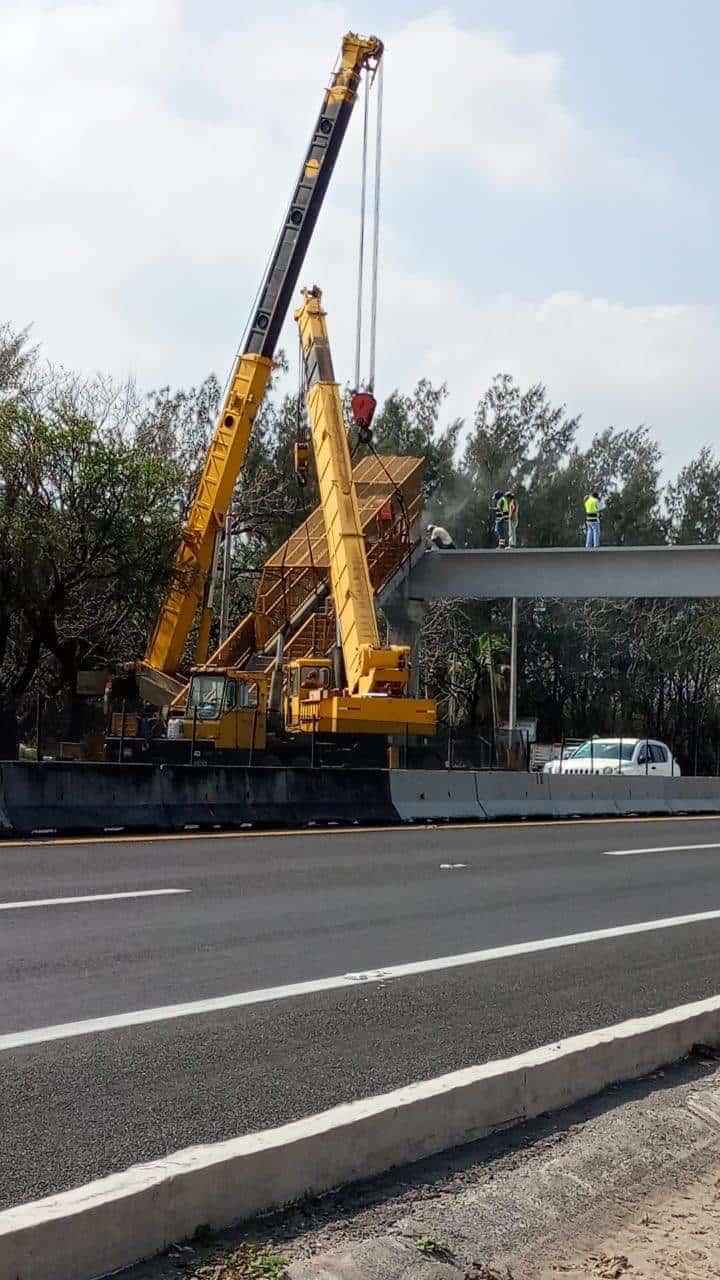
(89, 525)
(693, 501)
(518, 441)
(409, 426)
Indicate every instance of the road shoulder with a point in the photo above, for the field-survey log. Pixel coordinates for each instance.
(554, 1197)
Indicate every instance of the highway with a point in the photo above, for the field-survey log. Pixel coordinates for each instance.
(293, 941)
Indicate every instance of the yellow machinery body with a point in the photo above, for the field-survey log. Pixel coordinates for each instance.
(227, 710)
(377, 678)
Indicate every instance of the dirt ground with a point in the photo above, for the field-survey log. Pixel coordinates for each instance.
(676, 1235)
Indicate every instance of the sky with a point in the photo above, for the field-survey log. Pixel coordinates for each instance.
(550, 193)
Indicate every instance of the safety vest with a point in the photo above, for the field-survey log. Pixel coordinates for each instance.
(502, 508)
(592, 509)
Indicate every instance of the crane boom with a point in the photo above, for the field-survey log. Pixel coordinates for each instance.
(254, 364)
(369, 667)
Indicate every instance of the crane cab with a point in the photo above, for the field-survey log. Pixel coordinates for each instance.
(226, 710)
(308, 684)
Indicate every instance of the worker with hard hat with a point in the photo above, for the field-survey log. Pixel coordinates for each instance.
(513, 517)
(592, 520)
(440, 538)
(501, 512)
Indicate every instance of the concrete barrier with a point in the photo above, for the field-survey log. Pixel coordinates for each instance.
(5, 823)
(643, 795)
(692, 795)
(340, 795)
(591, 796)
(597, 796)
(514, 795)
(117, 1220)
(72, 796)
(68, 796)
(204, 795)
(419, 794)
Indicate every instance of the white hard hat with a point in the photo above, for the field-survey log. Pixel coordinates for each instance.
(430, 528)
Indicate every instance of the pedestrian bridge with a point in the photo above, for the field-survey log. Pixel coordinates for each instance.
(567, 572)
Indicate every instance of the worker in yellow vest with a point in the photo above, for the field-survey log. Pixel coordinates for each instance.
(513, 516)
(592, 520)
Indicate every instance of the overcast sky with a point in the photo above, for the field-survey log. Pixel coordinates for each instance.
(551, 193)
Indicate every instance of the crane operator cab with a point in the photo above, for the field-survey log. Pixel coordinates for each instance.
(308, 683)
(226, 710)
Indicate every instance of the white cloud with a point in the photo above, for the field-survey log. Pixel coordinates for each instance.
(146, 166)
(617, 364)
(472, 99)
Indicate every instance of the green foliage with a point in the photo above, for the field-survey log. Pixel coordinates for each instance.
(248, 1262)
(433, 1248)
(410, 425)
(693, 501)
(88, 523)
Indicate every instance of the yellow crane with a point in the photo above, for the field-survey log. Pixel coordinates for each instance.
(155, 678)
(361, 719)
(229, 707)
(376, 677)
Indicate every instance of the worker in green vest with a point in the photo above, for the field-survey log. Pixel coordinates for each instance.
(592, 520)
(501, 512)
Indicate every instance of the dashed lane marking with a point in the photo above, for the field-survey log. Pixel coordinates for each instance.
(661, 848)
(89, 897)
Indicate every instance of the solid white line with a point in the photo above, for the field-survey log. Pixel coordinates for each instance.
(89, 897)
(661, 848)
(141, 1017)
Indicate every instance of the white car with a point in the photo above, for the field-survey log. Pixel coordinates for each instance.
(618, 755)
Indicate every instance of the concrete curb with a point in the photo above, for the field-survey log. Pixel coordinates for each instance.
(115, 1221)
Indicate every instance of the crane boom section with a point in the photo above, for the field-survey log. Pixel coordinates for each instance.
(254, 364)
(369, 667)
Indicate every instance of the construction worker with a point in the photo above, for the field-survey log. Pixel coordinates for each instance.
(175, 726)
(440, 538)
(513, 515)
(502, 517)
(592, 520)
(149, 721)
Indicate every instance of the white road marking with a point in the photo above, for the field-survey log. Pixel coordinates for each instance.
(89, 897)
(141, 1017)
(452, 866)
(661, 848)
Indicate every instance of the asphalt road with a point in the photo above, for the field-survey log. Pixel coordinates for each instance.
(260, 912)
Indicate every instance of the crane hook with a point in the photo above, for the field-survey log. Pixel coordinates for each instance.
(363, 405)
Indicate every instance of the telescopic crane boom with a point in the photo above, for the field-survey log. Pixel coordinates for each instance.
(367, 663)
(377, 677)
(254, 364)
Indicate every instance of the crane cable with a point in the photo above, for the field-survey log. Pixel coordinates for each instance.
(361, 246)
(375, 229)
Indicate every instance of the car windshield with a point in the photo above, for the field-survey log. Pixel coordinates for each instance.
(599, 750)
